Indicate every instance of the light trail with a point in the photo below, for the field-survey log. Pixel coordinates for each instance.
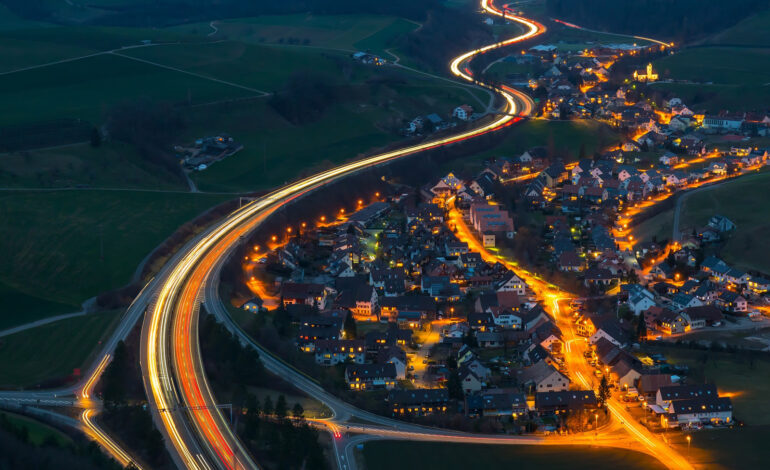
(177, 389)
(95, 433)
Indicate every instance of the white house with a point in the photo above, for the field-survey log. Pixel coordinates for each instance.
(512, 283)
(463, 112)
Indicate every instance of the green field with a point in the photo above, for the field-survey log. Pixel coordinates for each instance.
(380, 455)
(276, 151)
(85, 88)
(52, 240)
(347, 32)
(751, 32)
(731, 69)
(743, 202)
(35, 46)
(38, 432)
(725, 449)
(52, 351)
(112, 165)
(720, 65)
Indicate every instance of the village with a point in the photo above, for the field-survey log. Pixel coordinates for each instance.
(398, 297)
(414, 295)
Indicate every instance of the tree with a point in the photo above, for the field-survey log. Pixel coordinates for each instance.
(96, 137)
(604, 392)
(280, 407)
(350, 326)
(298, 412)
(267, 406)
(641, 328)
(454, 387)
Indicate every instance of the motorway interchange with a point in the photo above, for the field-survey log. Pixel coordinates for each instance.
(184, 407)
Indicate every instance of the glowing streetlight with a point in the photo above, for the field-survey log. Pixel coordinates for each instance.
(596, 423)
(689, 438)
(274, 238)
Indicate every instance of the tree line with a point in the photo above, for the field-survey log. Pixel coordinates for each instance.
(677, 20)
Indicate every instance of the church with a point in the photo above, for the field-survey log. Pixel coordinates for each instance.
(647, 75)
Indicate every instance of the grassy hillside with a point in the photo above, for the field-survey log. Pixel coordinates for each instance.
(348, 32)
(52, 351)
(730, 70)
(743, 202)
(52, 241)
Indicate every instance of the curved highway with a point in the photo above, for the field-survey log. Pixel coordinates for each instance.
(181, 400)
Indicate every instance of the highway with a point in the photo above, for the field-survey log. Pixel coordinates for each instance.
(183, 405)
(180, 398)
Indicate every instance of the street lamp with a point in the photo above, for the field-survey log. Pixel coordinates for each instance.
(596, 423)
(689, 438)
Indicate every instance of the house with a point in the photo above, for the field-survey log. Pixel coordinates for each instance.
(702, 410)
(370, 376)
(335, 351)
(469, 381)
(670, 394)
(705, 315)
(356, 295)
(649, 384)
(599, 277)
(723, 122)
(396, 356)
(732, 302)
(463, 112)
(549, 336)
(640, 300)
(317, 328)
(672, 323)
(682, 301)
(490, 339)
(510, 282)
(418, 402)
(497, 403)
(721, 223)
(609, 329)
(543, 377)
(625, 373)
(569, 261)
(390, 307)
(533, 317)
(759, 285)
(252, 305)
(560, 402)
(304, 293)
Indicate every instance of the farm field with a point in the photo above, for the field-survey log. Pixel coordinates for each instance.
(86, 88)
(273, 153)
(111, 165)
(52, 351)
(38, 432)
(52, 240)
(347, 32)
(735, 61)
(742, 202)
(439, 456)
(751, 32)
